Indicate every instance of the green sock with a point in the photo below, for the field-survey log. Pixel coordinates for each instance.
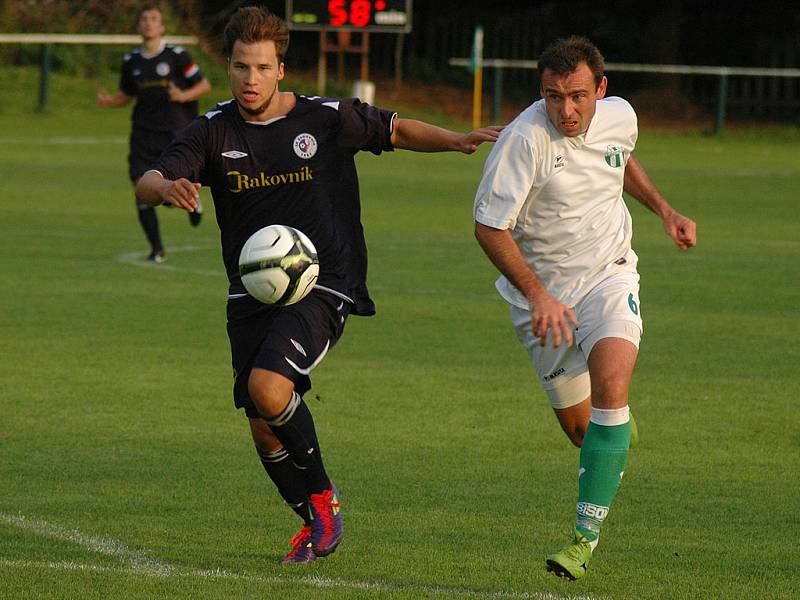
(603, 456)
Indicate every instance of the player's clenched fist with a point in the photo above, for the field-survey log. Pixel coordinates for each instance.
(681, 229)
(181, 193)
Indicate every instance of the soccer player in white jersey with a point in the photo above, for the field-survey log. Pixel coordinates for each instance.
(549, 214)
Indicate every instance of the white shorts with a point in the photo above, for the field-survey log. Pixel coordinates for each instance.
(610, 310)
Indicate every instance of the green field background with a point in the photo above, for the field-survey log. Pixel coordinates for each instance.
(125, 471)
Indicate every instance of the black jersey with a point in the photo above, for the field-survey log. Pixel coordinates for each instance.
(146, 77)
(296, 170)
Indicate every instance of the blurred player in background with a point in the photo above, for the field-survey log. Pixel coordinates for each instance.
(549, 213)
(166, 84)
(273, 157)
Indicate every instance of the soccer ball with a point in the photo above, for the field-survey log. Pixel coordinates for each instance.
(278, 265)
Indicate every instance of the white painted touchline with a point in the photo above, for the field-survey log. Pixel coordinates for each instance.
(141, 564)
(137, 560)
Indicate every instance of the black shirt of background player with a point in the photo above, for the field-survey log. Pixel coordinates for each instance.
(146, 79)
(296, 170)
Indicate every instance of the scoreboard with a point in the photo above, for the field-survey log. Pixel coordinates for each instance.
(356, 15)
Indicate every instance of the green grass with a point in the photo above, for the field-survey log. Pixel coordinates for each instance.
(126, 472)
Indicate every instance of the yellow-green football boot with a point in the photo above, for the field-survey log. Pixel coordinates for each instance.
(571, 561)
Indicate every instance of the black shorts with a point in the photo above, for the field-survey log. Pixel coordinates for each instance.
(290, 340)
(146, 146)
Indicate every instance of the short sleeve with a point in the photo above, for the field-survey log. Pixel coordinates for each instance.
(626, 121)
(507, 180)
(187, 68)
(186, 154)
(365, 127)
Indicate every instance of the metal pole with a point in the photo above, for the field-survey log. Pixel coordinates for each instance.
(722, 103)
(44, 78)
(477, 89)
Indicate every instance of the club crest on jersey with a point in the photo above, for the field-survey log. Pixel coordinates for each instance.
(305, 145)
(615, 155)
(162, 69)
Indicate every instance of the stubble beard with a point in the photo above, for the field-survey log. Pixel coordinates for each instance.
(255, 112)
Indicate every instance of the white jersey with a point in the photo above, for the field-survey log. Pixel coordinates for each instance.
(561, 197)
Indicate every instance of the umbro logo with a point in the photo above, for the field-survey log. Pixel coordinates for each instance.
(234, 154)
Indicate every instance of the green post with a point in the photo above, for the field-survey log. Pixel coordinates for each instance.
(722, 103)
(44, 77)
(497, 99)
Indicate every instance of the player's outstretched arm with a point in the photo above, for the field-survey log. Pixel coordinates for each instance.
(153, 189)
(410, 134)
(547, 312)
(680, 228)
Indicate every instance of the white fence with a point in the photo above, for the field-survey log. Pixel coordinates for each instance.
(48, 39)
(722, 72)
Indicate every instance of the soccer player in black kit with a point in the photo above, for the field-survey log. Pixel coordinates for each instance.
(166, 84)
(273, 157)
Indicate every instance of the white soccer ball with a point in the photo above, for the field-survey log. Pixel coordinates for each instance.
(278, 265)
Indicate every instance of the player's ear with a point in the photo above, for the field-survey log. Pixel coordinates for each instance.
(601, 89)
(281, 71)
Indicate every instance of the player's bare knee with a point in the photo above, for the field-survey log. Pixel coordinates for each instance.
(610, 392)
(268, 396)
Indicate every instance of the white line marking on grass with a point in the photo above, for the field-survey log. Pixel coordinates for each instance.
(139, 259)
(314, 581)
(141, 564)
(385, 586)
(59, 566)
(137, 560)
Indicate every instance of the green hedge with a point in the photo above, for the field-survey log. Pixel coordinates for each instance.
(92, 16)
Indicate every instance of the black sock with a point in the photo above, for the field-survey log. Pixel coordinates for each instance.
(288, 479)
(294, 428)
(149, 221)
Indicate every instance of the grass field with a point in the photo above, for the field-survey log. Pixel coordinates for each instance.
(125, 471)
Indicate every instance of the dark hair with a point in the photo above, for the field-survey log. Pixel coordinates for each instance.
(146, 7)
(253, 24)
(563, 56)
